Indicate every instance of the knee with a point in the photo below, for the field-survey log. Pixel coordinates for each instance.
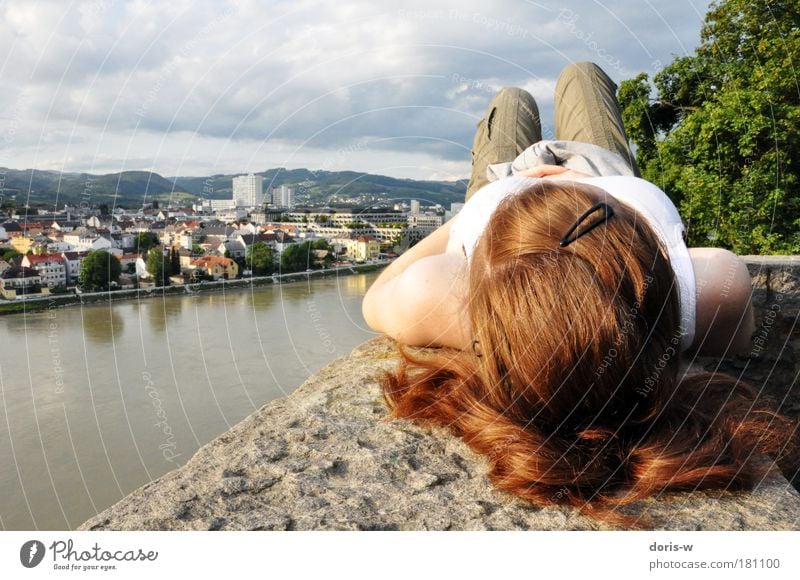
(580, 69)
(514, 94)
(583, 71)
(511, 93)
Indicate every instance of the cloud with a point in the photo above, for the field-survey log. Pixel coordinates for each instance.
(229, 84)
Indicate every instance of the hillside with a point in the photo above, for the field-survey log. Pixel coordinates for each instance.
(132, 188)
(319, 186)
(129, 188)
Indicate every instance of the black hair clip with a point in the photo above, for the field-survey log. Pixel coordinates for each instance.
(608, 211)
(475, 351)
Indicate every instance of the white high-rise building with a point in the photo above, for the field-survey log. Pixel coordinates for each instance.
(248, 190)
(414, 207)
(284, 196)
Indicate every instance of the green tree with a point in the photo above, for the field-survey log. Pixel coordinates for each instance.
(9, 254)
(103, 207)
(158, 267)
(175, 262)
(98, 270)
(261, 259)
(143, 241)
(297, 257)
(720, 129)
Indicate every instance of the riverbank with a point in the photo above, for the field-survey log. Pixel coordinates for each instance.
(63, 300)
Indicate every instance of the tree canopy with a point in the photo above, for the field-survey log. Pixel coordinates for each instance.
(260, 259)
(98, 270)
(297, 257)
(143, 241)
(720, 129)
(159, 267)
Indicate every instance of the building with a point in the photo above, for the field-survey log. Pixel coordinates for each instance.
(366, 248)
(233, 248)
(73, 261)
(283, 196)
(343, 217)
(414, 207)
(359, 249)
(21, 282)
(216, 267)
(52, 268)
(128, 262)
(248, 190)
(426, 222)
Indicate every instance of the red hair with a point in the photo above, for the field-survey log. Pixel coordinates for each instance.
(573, 392)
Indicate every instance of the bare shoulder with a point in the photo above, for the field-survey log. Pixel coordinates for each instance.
(425, 305)
(724, 311)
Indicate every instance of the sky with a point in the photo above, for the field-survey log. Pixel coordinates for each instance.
(203, 87)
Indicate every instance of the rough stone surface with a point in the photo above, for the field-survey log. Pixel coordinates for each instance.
(325, 457)
(773, 363)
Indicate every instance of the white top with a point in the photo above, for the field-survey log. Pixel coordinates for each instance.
(644, 197)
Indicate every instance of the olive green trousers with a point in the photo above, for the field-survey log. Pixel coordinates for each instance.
(586, 109)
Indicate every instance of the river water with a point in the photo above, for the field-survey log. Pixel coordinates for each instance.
(96, 401)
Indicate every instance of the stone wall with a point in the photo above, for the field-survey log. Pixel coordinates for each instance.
(772, 365)
(325, 457)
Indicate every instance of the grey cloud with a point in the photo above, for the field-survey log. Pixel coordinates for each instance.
(314, 74)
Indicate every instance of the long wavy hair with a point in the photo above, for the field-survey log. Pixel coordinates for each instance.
(572, 390)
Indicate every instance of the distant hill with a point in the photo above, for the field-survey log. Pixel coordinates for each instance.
(132, 188)
(321, 185)
(129, 188)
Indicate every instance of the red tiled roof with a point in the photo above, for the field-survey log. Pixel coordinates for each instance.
(41, 258)
(209, 261)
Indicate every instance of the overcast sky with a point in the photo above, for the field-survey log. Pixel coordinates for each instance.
(201, 87)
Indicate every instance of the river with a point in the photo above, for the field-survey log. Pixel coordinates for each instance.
(98, 400)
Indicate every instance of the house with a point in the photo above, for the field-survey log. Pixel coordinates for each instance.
(219, 232)
(282, 241)
(360, 249)
(233, 248)
(21, 282)
(185, 258)
(22, 244)
(52, 268)
(367, 248)
(246, 228)
(65, 226)
(73, 260)
(86, 239)
(216, 267)
(128, 262)
(12, 229)
(248, 240)
(97, 222)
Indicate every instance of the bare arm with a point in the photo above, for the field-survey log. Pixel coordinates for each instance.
(725, 321)
(419, 299)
